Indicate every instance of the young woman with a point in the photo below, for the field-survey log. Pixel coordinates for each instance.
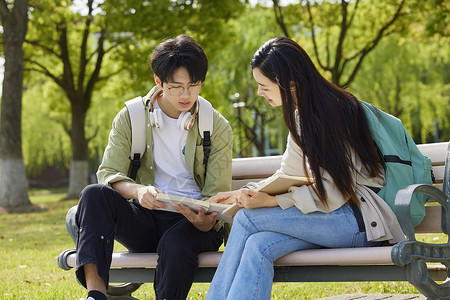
(329, 140)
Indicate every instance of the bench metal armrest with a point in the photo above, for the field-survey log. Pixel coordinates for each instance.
(415, 255)
(407, 251)
(403, 203)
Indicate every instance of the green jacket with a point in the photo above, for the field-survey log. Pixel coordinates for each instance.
(116, 163)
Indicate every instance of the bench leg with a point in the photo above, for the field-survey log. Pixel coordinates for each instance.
(417, 273)
(414, 254)
(122, 291)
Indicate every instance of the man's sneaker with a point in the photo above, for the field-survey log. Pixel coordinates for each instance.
(95, 295)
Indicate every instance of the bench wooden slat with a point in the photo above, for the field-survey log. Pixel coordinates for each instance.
(322, 257)
(345, 256)
(438, 172)
(248, 167)
(251, 169)
(435, 151)
(432, 221)
(238, 183)
(337, 257)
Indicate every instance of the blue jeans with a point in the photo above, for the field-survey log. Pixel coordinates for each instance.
(260, 236)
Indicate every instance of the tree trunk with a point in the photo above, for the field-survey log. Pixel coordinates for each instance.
(79, 166)
(78, 178)
(13, 182)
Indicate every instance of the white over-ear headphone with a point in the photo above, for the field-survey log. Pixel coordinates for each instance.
(185, 119)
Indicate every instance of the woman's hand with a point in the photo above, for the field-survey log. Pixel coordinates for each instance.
(252, 199)
(226, 197)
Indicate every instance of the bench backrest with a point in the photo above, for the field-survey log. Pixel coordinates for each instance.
(258, 168)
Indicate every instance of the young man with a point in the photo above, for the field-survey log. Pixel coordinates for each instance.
(172, 164)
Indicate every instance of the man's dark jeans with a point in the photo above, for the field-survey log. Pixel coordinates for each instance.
(103, 216)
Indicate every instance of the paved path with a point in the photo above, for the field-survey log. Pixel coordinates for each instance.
(377, 297)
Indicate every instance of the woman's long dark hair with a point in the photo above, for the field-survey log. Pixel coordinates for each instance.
(332, 121)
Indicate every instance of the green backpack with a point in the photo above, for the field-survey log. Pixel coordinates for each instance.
(403, 162)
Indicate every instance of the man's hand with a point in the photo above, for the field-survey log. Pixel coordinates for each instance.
(203, 222)
(146, 195)
(226, 197)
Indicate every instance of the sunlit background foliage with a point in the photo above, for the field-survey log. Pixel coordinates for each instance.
(406, 74)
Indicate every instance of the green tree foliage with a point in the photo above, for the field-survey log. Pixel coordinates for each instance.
(78, 56)
(256, 125)
(406, 74)
(45, 141)
(71, 48)
(409, 78)
(149, 22)
(433, 16)
(342, 33)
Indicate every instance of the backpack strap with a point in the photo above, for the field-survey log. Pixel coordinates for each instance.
(205, 126)
(358, 215)
(136, 110)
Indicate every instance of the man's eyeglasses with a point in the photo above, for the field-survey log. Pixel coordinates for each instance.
(193, 89)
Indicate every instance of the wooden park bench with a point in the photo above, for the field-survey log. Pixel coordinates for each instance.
(422, 264)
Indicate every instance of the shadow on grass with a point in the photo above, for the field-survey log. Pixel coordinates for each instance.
(41, 198)
(23, 209)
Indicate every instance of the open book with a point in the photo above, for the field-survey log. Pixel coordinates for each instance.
(226, 212)
(280, 183)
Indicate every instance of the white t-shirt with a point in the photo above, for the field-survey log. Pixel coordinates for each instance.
(171, 173)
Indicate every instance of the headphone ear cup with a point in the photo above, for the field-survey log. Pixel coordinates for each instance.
(189, 123)
(182, 119)
(156, 118)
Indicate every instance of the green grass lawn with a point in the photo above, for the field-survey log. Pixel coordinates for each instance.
(31, 242)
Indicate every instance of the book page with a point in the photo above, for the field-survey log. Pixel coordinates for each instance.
(280, 184)
(226, 212)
